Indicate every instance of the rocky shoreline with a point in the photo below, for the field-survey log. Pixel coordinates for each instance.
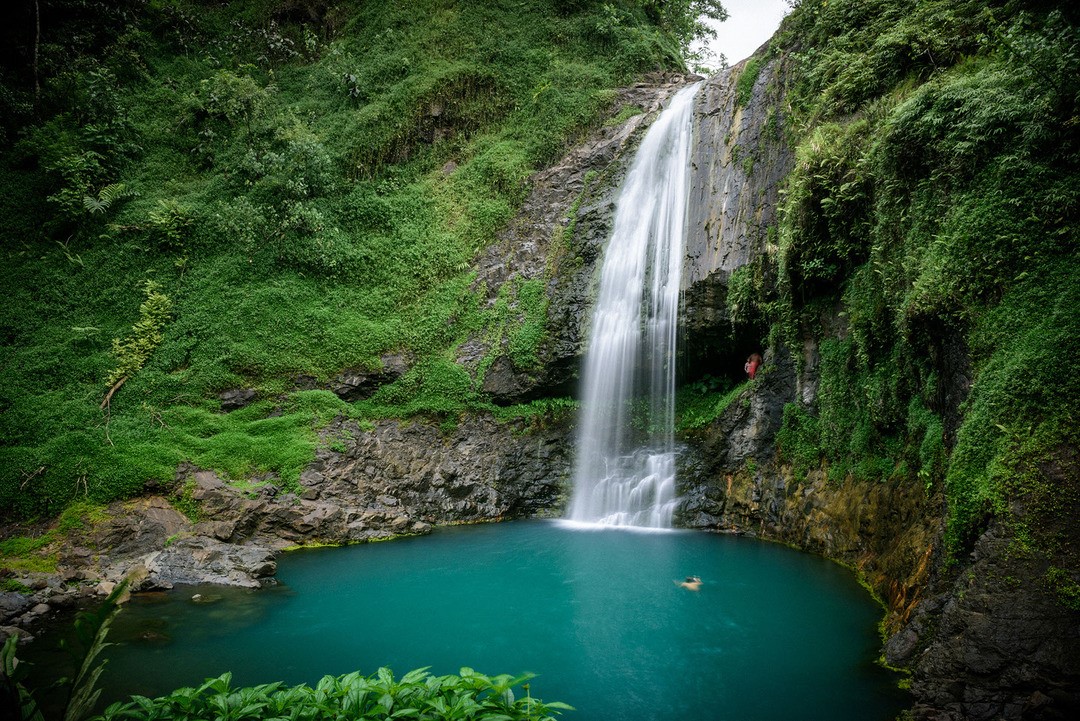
(395, 479)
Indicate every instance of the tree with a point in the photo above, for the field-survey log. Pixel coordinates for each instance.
(685, 19)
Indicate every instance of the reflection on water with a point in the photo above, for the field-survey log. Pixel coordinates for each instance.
(201, 611)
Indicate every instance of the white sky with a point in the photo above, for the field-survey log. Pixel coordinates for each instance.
(750, 23)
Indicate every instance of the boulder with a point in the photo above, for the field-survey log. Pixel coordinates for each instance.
(22, 634)
(13, 603)
(357, 383)
(206, 560)
(236, 398)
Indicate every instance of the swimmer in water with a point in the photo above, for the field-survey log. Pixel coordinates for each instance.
(692, 583)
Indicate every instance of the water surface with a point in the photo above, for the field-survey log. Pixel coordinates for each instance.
(772, 634)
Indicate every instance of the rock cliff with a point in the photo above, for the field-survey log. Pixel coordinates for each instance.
(558, 237)
(367, 484)
(740, 158)
(985, 636)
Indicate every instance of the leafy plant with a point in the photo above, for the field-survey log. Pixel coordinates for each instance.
(91, 628)
(169, 223)
(799, 439)
(106, 197)
(700, 403)
(15, 700)
(418, 694)
(146, 334)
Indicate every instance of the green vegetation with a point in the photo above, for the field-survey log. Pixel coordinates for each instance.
(38, 553)
(700, 403)
(244, 194)
(934, 200)
(133, 351)
(416, 695)
(1066, 588)
(744, 86)
(81, 693)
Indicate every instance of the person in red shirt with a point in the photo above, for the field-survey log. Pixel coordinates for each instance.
(752, 364)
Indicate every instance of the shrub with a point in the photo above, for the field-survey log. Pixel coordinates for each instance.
(744, 86)
(799, 439)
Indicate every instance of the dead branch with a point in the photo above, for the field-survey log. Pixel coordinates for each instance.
(109, 395)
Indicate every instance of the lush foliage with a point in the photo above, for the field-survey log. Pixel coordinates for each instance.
(81, 693)
(261, 195)
(744, 86)
(699, 403)
(416, 695)
(934, 201)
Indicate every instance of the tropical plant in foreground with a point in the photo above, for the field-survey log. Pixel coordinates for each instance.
(416, 695)
(91, 629)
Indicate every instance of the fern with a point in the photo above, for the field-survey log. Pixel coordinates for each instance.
(132, 352)
(106, 197)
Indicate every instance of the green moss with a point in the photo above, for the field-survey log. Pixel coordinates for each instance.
(24, 545)
(625, 113)
(12, 585)
(29, 554)
(1065, 586)
(79, 515)
(185, 503)
(744, 86)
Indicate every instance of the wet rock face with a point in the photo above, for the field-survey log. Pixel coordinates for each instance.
(396, 479)
(739, 161)
(993, 643)
(404, 477)
(558, 236)
(986, 638)
(734, 483)
(995, 640)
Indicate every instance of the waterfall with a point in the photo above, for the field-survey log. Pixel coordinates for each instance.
(625, 469)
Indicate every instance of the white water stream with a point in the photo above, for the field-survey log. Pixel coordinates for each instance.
(625, 469)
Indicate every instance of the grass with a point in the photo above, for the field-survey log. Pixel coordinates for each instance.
(744, 86)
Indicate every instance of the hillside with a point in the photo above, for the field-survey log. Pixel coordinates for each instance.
(259, 196)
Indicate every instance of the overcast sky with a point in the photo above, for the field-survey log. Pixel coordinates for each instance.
(750, 23)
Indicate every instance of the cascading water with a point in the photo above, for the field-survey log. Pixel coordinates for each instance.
(625, 469)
